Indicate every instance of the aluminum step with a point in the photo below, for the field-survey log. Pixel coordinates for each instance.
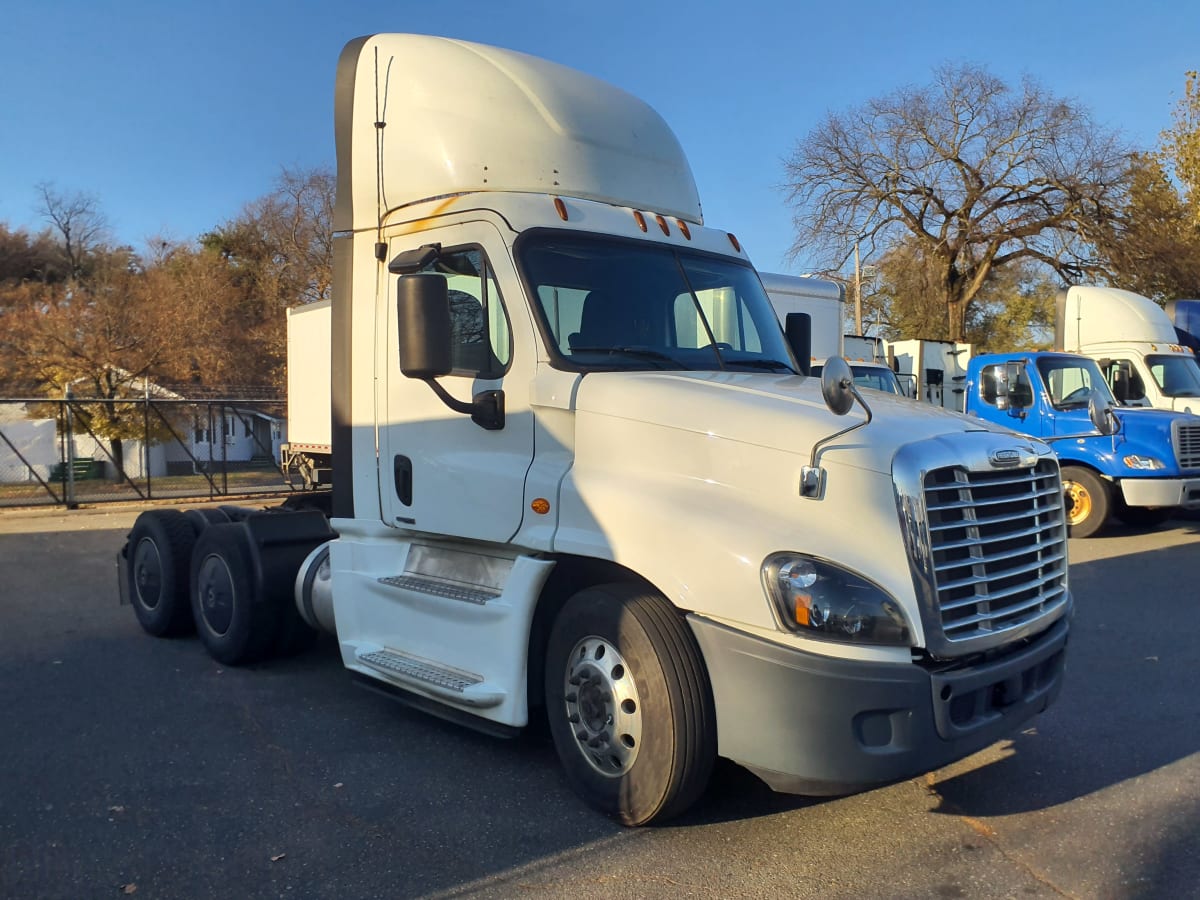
(421, 585)
(451, 684)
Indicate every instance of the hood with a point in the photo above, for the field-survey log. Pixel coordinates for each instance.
(782, 412)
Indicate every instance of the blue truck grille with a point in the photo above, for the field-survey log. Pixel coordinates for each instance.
(998, 548)
(1187, 445)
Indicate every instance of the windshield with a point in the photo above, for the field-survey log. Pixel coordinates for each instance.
(1071, 379)
(607, 304)
(1177, 376)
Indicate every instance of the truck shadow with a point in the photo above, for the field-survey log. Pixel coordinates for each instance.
(1128, 707)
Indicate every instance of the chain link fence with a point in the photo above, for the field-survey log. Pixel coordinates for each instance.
(83, 451)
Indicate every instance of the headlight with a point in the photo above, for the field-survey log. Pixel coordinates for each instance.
(1142, 462)
(818, 599)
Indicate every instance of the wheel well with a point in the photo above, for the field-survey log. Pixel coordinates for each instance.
(571, 575)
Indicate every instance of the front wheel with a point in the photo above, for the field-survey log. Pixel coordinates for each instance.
(629, 704)
(1088, 501)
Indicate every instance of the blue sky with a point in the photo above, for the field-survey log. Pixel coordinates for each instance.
(173, 115)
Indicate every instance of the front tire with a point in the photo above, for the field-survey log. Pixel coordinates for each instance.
(1088, 501)
(629, 704)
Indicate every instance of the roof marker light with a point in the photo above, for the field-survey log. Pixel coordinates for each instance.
(662, 223)
(640, 219)
(734, 241)
(560, 208)
(683, 228)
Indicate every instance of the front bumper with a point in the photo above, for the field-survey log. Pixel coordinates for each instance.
(1179, 492)
(812, 724)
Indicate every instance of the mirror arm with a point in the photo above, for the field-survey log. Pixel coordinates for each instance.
(812, 475)
(486, 408)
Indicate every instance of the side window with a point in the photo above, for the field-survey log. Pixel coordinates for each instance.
(1124, 381)
(482, 342)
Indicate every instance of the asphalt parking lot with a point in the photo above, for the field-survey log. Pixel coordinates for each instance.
(132, 765)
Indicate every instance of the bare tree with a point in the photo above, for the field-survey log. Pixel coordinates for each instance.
(81, 226)
(976, 175)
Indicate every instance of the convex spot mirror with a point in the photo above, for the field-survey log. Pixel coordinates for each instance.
(1100, 411)
(837, 380)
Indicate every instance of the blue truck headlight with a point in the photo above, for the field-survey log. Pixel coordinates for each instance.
(1137, 461)
(816, 598)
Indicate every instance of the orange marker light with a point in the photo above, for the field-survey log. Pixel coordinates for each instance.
(662, 223)
(683, 227)
(541, 506)
(560, 208)
(736, 245)
(640, 219)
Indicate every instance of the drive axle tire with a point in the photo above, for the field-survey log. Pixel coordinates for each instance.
(1088, 501)
(629, 704)
(158, 557)
(233, 621)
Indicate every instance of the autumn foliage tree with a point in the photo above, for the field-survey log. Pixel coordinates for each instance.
(971, 174)
(1152, 245)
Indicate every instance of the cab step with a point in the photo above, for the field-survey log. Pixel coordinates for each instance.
(454, 685)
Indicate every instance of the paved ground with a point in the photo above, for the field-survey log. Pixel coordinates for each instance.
(129, 764)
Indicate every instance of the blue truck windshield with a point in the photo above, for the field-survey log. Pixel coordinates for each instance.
(1070, 381)
(608, 305)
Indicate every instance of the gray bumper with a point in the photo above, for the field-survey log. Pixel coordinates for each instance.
(1181, 492)
(810, 724)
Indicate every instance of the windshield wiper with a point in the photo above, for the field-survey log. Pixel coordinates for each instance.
(773, 364)
(636, 352)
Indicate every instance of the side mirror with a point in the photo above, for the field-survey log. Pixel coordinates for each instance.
(797, 328)
(1101, 413)
(423, 325)
(424, 340)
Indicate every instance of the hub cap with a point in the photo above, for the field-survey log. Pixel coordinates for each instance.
(603, 707)
(215, 584)
(147, 573)
(1079, 502)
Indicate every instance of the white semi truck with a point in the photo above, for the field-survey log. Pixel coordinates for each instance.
(579, 478)
(1135, 342)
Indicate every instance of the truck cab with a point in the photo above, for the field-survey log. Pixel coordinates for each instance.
(1141, 465)
(579, 476)
(1132, 338)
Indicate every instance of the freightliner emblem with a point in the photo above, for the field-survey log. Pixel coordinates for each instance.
(1012, 457)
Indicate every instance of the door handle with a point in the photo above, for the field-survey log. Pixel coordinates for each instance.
(402, 474)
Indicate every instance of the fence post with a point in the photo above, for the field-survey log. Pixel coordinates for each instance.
(146, 438)
(70, 491)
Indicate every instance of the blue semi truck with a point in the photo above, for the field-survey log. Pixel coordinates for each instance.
(1139, 465)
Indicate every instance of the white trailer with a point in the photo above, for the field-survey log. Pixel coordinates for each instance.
(934, 371)
(308, 453)
(1134, 341)
(577, 477)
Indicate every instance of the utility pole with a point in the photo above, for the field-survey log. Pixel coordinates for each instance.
(857, 293)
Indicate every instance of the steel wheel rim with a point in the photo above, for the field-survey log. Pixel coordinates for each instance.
(1081, 502)
(603, 707)
(215, 586)
(147, 573)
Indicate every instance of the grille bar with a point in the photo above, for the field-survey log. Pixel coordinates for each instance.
(977, 561)
(998, 556)
(1187, 445)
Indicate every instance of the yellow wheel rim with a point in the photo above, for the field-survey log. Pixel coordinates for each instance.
(1079, 502)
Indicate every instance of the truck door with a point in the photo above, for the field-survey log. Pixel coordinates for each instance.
(440, 472)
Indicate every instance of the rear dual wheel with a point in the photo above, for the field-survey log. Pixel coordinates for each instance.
(157, 556)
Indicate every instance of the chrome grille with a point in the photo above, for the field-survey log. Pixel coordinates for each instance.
(998, 550)
(1187, 444)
